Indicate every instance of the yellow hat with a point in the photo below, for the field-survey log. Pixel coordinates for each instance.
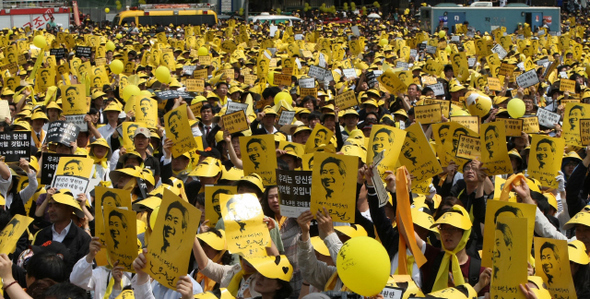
(232, 174)
(514, 153)
(301, 129)
(65, 197)
(582, 218)
(456, 217)
(401, 112)
(39, 115)
(132, 172)
(209, 167)
(97, 94)
(215, 241)
(23, 124)
(457, 87)
(455, 293)
(255, 179)
(54, 105)
(577, 252)
(551, 199)
(573, 155)
(273, 267)
(113, 106)
(319, 246)
(423, 219)
(370, 102)
(354, 150)
(351, 231)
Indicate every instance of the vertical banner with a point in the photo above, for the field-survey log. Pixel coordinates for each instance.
(176, 124)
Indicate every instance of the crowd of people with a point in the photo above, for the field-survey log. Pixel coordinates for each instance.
(389, 65)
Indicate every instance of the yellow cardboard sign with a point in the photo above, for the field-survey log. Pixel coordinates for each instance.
(585, 131)
(212, 199)
(496, 210)
(235, 122)
(251, 79)
(469, 148)
(309, 92)
(494, 84)
(418, 156)
(530, 124)
(510, 258)
(121, 236)
(44, 79)
(428, 114)
(195, 85)
(506, 70)
(513, 126)
(444, 105)
(146, 111)
(386, 138)
(553, 265)
(171, 241)
(346, 100)
(333, 178)
(205, 60)
(391, 82)
(319, 136)
(108, 197)
(196, 108)
(74, 99)
(282, 79)
(176, 122)
(567, 85)
(494, 153)
(12, 232)
(128, 134)
(258, 156)
(200, 74)
(571, 122)
(470, 122)
(245, 231)
(545, 159)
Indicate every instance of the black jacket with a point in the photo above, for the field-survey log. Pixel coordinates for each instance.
(77, 241)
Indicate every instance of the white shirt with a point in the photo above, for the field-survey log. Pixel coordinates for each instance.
(415, 270)
(95, 279)
(59, 237)
(27, 192)
(106, 131)
(156, 290)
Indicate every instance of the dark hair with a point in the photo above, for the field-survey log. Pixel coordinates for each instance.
(264, 203)
(285, 290)
(257, 140)
(206, 106)
(507, 232)
(582, 279)
(490, 128)
(338, 162)
(514, 210)
(66, 290)
(270, 92)
(551, 246)
(548, 141)
(314, 115)
(183, 210)
(47, 265)
(38, 288)
(447, 68)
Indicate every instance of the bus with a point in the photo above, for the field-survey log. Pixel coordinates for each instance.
(164, 14)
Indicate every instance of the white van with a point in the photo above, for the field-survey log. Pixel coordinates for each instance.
(277, 19)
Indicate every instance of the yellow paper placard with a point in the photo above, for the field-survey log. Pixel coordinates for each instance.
(506, 70)
(12, 232)
(468, 148)
(495, 210)
(146, 111)
(319, 136)
(585, 131)
(418, 156)
(195, 85)
(470, 122)
(346, 100)
(553, 265)
(567, 86)
(205, 60)
(333, 178)
(545, 159)
(121, 236)
(251, 79)
(258, 156)
(510, 261)
(212, 199)
(571, 122)
(389, 139)
(494, 153)
(171, 241)
(74, 99)
(309, 92)
(128, 134)
(530, 124)
(282, 79)
(391, 82)
(108, 197)
(494, 84)
(428, 114)
(245, 231)
(200, 74)
(444, 105)
(513, 126)
(176, 122)
(235, 122)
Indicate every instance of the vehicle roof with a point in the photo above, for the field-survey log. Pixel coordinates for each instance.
(274, 17)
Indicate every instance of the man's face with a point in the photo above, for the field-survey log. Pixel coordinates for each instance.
(330, 176)
(501, 250)
(172, 223)
(57, 212)
(255, 152)
(583, 234)
(222, 90)
(320, 136)
(174, 123)
(116, 226)
(71, 96)
(575, 115)
(141, 142)
(351, 120)
(543, 152)
(489, 139)
(380, 142)
(206, 115)
(72, 169)
(548, 261)
(145, 107)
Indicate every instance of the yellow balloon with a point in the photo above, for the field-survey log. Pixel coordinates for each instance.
(363, 266)
(40, 42)
(119, 36)
(202, 51)
(110, 46)
(383, 42)
(478, 104)
(146, 93)
(130, 90)
(516, 108)
(117, 66)
(163, 74)
(283, 96)
(107, 10)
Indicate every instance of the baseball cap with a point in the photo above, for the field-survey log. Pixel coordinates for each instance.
(142, 131)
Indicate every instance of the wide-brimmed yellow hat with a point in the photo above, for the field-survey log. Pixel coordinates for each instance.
(65, 197)
(273, 267)
(215, 241)
(254, 179)
(423, 219)
(39, 115)
(577, 252)
(208, 168)
(319, 246)
(351, 231)
(582, 218)
(132, 172)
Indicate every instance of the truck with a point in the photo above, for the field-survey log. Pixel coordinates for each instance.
(485, 18)
(19, 15)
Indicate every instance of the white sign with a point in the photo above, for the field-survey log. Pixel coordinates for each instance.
(286, 118)
(547, 119)
(322, 61)
(349, 73)
(317, 72)
(471, 61)
(377, 181)
(401, 64)
(355, 30)
(431, 49)
(235, 107)
(78, 120)
(273, 30)
(307, 83)
(438, 89)
(500, 50)
(527, 79)
(298, 36)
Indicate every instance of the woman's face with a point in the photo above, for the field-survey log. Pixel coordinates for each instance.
(273, 200)
(265, 285)
(100, 151)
